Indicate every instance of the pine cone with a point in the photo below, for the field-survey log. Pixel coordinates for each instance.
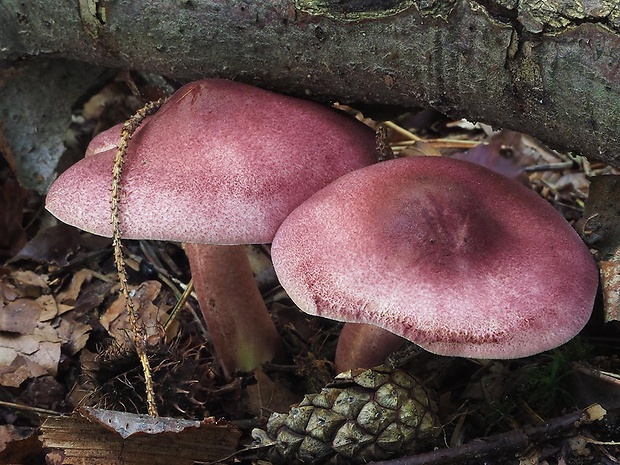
(364, 415)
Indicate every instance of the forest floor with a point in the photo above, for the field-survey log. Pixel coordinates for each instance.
(69, 377)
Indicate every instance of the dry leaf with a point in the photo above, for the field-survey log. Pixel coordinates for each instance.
(269, 396)
(30, 283)
(28, 355)
(75, 286)
(49, 307)
(115, 319)
(31, 331)
(495, 156)
(44, 392)
(19, 445)
(16, 368)
(8, 292)
(20, 316)
(73, 334)
(420, 149)
(51, 245)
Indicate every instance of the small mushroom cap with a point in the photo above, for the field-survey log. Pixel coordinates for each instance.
(220, 163)
(106, 140)
(452, 256)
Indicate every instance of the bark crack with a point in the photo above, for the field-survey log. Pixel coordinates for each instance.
(550, 16)
(538, 16)
(93, 16)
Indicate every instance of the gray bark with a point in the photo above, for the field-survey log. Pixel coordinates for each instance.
(549, 68)
(36, 99)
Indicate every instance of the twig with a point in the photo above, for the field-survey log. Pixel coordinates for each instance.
(28, 408)
(550, 166)
(441, 143)
(402, 131)
(180, 303)
(139, 334)
(505, 443)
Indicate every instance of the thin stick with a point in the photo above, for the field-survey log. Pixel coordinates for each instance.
(180, 303)
(441, 143)
(139, 334)
(28, 408)
(402, 131)
(503, 443)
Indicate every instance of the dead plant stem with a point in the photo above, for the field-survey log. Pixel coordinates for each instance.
(139, 333)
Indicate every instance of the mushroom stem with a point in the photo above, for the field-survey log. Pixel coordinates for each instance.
(241, 329)
(364, 346)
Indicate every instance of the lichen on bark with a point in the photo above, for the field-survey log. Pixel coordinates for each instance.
(537, 16)
(353, 10)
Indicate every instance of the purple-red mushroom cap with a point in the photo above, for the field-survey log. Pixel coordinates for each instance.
(220, 163)
(106, 140)
(449, 255)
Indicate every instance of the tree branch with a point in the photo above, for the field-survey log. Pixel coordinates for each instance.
(551, 70)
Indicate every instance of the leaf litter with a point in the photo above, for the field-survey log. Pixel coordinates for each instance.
(64, 337)
(34, 327)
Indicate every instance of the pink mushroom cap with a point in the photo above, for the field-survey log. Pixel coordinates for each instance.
(450, 255)
(104, 141)
(220, 163)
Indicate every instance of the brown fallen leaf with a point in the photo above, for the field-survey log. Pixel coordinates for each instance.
(115, 319)
(34, 352)
(16, 368)
(44, 392)
(8, 292)
(29, 283)
(51, 245)
(493, 156)
(71, 293)
(268, 396)
(33, 329)
(106, 437)
(590, 384)
(73, 334)
(20, 316)
(50, 308)
(19, 445)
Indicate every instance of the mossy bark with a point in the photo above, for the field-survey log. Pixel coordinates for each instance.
(550, 68)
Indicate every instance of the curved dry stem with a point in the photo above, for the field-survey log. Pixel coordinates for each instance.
(139, 334)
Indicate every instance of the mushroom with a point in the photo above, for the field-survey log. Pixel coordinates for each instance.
(447, 254)
(220, 163)
(364, 346)
(377, 343)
